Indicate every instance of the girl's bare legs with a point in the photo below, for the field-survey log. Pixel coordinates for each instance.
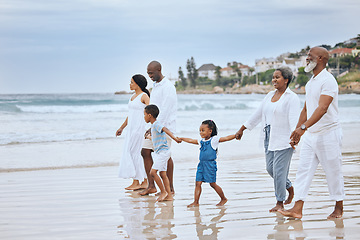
(197, 194)
(220, 192)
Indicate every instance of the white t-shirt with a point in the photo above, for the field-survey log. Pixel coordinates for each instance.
(214, 141)
(323, 84)
(283, 122)
(163, 95)
(269, 108)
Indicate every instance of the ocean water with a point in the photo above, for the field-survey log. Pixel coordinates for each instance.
(41, 118)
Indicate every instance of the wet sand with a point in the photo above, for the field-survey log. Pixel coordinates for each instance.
(91, 203)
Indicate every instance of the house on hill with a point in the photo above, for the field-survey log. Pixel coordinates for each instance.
(340, 52)
(229, 71)
(207, 70)
(264, 64)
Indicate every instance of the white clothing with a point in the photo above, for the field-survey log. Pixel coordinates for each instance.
(163, 95)
(214, 141)
(326, 150)
(160, 160)
(323, 84)
(131, 162)
(284, 119)
(322, 141)
(269, 109)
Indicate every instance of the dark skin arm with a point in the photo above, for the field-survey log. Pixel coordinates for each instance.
(189, 140)
(324, 103)
(168, 132)
(227, 138)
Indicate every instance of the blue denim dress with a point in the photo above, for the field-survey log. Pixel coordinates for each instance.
(206, 170)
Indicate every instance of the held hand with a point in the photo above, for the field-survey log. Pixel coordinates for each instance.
(295, 137)
(147, 134)
(178, 140)
(239, 134)
(119, 131)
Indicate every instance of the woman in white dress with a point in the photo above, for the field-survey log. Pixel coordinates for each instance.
(131, 162)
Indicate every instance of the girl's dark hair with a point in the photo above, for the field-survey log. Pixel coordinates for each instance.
(211, 124)
(141, 81)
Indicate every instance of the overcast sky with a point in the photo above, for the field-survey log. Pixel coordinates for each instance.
(79, 46)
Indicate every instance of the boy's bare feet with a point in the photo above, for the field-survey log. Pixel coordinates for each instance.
(338, 211)
(162, 196)
(222, 202)
(148, 191)
(278, 206)
(194, 204)
(291, 195)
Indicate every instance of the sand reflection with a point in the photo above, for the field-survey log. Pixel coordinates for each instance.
(289, 228)
(146, 219)
(208, 230)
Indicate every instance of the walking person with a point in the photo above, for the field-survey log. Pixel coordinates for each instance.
(319, 123)
(207, 167)
(163, 95)
(131, 162)
(161, 152)
(278, 113)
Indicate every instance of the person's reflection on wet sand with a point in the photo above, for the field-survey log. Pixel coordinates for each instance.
(202, 228)
(146, 219)
(283, 229)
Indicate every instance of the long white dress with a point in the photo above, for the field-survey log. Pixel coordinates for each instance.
(131, 162)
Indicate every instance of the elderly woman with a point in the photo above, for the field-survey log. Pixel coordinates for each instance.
(278, 112)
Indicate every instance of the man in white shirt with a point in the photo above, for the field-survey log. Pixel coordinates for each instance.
(322, 142)
(163, 95)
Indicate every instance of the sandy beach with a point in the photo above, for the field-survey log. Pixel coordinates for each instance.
(53, 198)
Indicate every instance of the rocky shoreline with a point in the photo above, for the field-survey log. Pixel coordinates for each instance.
(344, 88)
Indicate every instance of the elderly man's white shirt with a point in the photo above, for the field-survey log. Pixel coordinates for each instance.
(323, 84)
(285, 116)
(163, 95)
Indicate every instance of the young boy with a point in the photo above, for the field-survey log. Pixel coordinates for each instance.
(161, 153)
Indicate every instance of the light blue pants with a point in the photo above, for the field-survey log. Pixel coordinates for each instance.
(277, 165)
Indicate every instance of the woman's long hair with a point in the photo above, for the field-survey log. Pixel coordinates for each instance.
(141, 81)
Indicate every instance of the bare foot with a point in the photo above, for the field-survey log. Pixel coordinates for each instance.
(291, 195)
(194, 204)
(169, 197)
(222, 202)
(290, 213)
(277, 207)
(144, 184)
(134, 187)
(148, 191)
(337, 213)
(162, 197)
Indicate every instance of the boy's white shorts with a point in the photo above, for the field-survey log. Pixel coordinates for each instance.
(160, 160)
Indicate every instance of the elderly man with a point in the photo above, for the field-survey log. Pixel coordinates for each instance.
(322, 141)
(163, 95)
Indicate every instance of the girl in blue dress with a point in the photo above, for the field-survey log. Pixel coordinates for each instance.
(206, 170)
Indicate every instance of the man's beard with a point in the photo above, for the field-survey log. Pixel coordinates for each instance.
(310, 66)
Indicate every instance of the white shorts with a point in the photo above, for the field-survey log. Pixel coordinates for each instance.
(149, 145)
(160, 160)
